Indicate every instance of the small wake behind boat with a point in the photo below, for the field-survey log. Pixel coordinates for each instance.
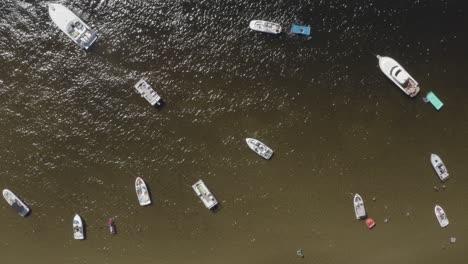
(265, 26)
(205, 195)
(72, 25)
(359, 208)
(259, 148)
(441, 216)
(439, 167)
(142, 192)
(15, 202)
(78, 230)
(398, 75)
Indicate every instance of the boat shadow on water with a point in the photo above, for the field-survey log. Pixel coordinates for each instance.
(216, 208)
(148, 189)
(83, 222)
(160, 105)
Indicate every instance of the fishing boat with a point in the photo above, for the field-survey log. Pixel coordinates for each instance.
(15, 202)
(111, 225)
(146, 91)
(205, 195)
(142, 192)
(441, 216)
(359, 208)
(259, 148)
(439, 167)
(398, 75)
(72, 25)
(78, 230)
(265, 26)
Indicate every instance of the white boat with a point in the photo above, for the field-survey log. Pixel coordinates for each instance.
(259, 148)
(439, 167)
(398, 75)
(205, 195)
(78, 230)
(142, 192)
(72, 25)
(15, 202)
(359, 208)
(146, 91)
(265, 26)
(441, 216)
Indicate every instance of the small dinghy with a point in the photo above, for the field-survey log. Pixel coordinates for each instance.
(259, 148)
(439, 167)
(441, 216)
(15, 202)
(78, 230)
(265, 26)
(398, 75)
(359, 208)
(205, 195)
(111, 225)
(142, 192)
(72, 25)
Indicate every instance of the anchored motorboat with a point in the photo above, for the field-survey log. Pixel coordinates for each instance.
(359, 208)
(205, 195)
(78, 230)
(441, 216)
(259, 148)
(146, 91)
(265, 26)
(398, 75)
(142, 192)
(72, 25)
(15, 202)
(439, 167)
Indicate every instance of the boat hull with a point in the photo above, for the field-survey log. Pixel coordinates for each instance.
(359, 208)
(265, 26)
(142, 192)
(78, 230)
(441, 216)
(16, 203)
(439, 167)
(398, 75)
(260, 148)
(72, 25)
(204, 194)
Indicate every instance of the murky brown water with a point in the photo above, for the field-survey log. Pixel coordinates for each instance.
(74, 133)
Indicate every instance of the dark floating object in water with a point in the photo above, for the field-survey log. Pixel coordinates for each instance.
(112, 228)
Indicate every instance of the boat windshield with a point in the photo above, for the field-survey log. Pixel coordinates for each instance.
(201, 189)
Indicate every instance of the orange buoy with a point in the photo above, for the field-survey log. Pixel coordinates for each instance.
(370, 223)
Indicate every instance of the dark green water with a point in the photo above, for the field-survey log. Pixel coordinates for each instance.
(72, 128)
